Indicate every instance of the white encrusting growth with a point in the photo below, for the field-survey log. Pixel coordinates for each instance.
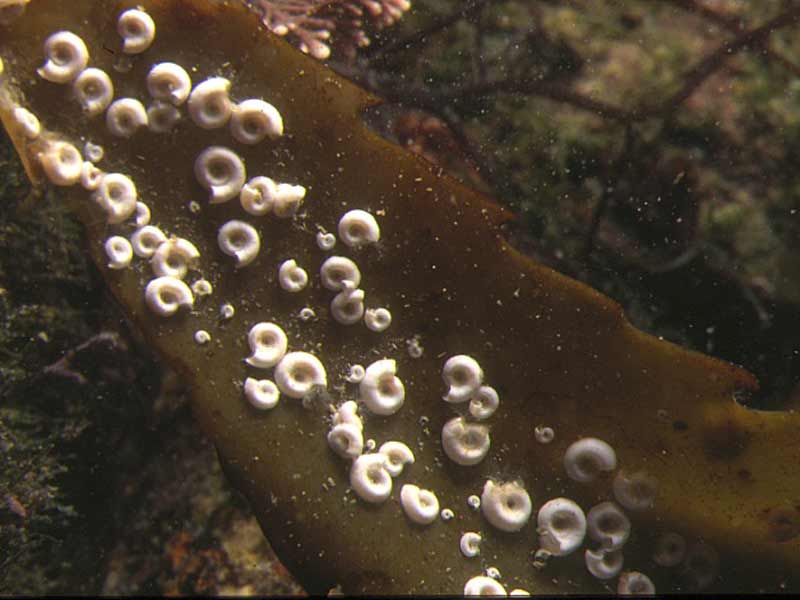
(240, 240)
(65, 57)
(288, 199)
(377, 319)
(519, 592)
(493, 572)
(355, 374)
(603, 564)
(306, 314)
(91, 176)
(484, 402)
(608, 525)
(221, 171)
(421, 506)
(470, 544)
(358, 227)
(261, 393)
(169, 82)
(338, 273)
(253, 120)
(636, 584)
(463, 376)
(125, 116)
(347, 307)
(346, 439)
(27, 122)
(162, 116)
(142, 216)
(202, 287)
(209, 104)
(585, 459)
(292, 277)
(226, 311)
(474, 502)
(93, 152)
(484, 586)
(561, 526)
(348, 413)
(202, 337)
(268, 344)
(94, 91)
(506, 506)
(544, 435)
(117, 196)
(381, 390)
(146, 240)
(62, 163)
(174, 257)
(137, 30)
(298, 373)
(325, 241)
(166, 295)
(119, 252)
(398, 455)
(258, 195)
(636, 491)
(370, 479)
(447, 514)
(669, 550)
(465, 443)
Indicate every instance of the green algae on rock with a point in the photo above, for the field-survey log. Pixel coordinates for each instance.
(558, 354)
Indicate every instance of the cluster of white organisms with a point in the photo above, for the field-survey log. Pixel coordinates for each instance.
(561, 523)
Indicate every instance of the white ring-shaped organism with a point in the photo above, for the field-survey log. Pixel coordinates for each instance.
(306, 314)
(398, 455)
(298, 373)
(93, 152)
(119, 252)
(377, 319)
(142, 216)
(221, 171)
(634, 583)
(169, 82)
(291, 277)
(91, 176)
(506, 506)
(463, 376)
(162, 116)
(700, 566)
(202, 287)
(603, 564)
(338, 273)
(27, 122)
(166, 295)
(561, 526)
(117, 196)
(65, 57)
(209, 104)
(447, 514)
(325, 241)
(470, 544)
(261, 393)
(608, 525)
(137, 30)
(258, 195)
(94, 90)
(544, 435)
(355, 374)
(146, 240)
(240, 240)
(357, 228)
(670, 550)
(484, 402)
(519, 592)
(202, 337)
(484, 586)
(465, 443)
(370, 479)
(125, 116)
(268, 344)
(288, 199)
(421, 506)
(347, 440)
(62, 163)
(174, 257)
(636, 491)
(585, 459)
(253, 120)
(474, 502)
(381, 390)
(226, 311)
(347, 307)
(348, 413)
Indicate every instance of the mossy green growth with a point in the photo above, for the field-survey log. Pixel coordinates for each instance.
(559, 353)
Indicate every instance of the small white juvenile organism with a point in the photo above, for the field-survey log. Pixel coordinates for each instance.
(355, 374)
(484, 586)
(62, 163)
(357, 228)
(633, 583)
(670, 550)
(268, 344)
(94, 90)
(169, 82)
(221, 171)
(561, 526)
(292, 277)
(608, 525)
(381, 390)
(470, 544)
(306, 314)
(91, 177)
(421, 506)
(174, 257)
(636, 491)
(603, 564)
(338, 273)
(240, 240)
(258, 195)
(484, 402)
(415, 350)
(370, 479)
(325, 241)
(209, 104)
(93, 152)
(288, 199)
(347, 307)
(65, 57)
(202, 337)
(493, 572)
(465, 443)
(347, 440)
(298, 373)
(507, 506)
(398, 455)
(544, 435)
(585, 459)
(117, 195)
(137, 30)
(261, 393)
(166, 295)
(377, 319)
(146, 240)
(253, 120)
(348, 413)
(226, 311)
(447, 514)
(162, 116)
(463, 376)
(474, 502)
(202, 287)
(119, 252)
(125, 116)
(142, 216)
(27, 122)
